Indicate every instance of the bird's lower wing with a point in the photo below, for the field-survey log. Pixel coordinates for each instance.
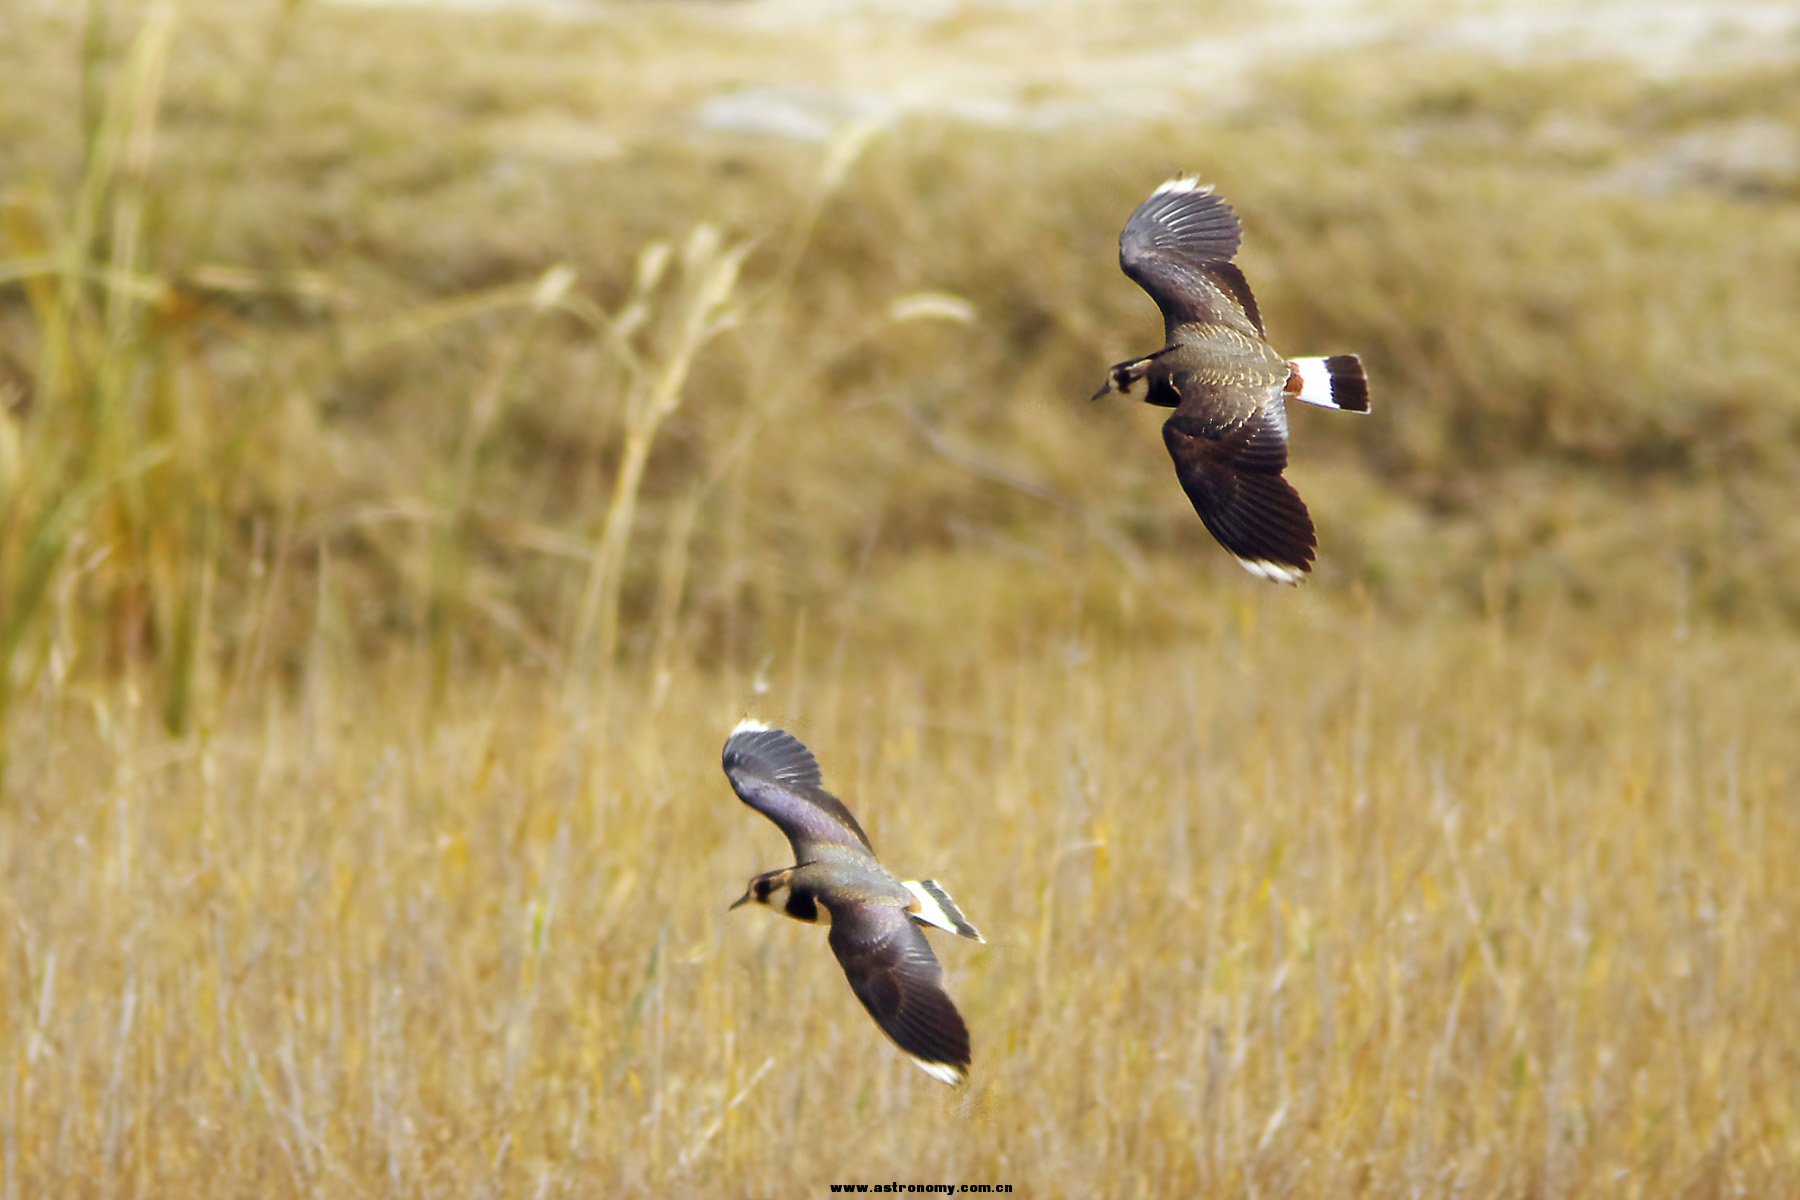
(1233, 477)
(893, 972)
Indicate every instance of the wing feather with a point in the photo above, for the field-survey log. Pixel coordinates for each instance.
(893, 972)
(1232, 476)
(1178, 247)
(773, 772)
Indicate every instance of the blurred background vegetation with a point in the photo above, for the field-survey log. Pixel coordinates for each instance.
(296, 320)
(629, 361)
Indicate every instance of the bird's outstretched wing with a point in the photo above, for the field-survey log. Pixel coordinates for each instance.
(1232, 474)
(1178, 247)
(774, 773)
(893, 972)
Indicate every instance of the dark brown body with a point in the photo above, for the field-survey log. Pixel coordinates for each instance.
(1228, 386)
(875, 917)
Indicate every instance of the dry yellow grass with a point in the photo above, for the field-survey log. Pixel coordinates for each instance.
(389, 535)
(1288, 905)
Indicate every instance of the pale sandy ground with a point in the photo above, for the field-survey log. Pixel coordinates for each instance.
(810, 69)
(1120, 77)
(1091, 60)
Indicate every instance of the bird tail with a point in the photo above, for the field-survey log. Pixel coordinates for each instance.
(933, 906)
(1334, 382)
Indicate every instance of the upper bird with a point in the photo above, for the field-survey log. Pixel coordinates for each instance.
(1227, 385)
(874, 915)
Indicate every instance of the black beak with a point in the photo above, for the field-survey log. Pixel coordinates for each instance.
(740, 901)
(1105, 390)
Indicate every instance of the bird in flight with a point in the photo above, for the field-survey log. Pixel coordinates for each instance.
(875, 917)
(1229, 388)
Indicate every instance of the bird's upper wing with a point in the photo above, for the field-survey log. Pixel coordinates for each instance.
(1178, 247)
(893, 972)
(774, 773)
(1229, 461)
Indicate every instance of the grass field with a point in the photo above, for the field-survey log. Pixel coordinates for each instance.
(423, 435)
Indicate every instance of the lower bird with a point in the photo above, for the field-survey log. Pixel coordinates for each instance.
(1227, 385)
(875, 917)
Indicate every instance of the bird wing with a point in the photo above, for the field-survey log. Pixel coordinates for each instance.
(1178, 247)
(1229, 458)
(774, 773)
(893, 972)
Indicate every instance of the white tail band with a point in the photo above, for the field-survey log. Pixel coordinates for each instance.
(1336, 381)
(937, 909)
(1315, 382)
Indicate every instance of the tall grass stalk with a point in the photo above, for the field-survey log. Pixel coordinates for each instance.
(448, 587)
(81, 464)
(698, 307)
(766, 385)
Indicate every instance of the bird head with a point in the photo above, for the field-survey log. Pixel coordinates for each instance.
(764, 889)
(1124, 379)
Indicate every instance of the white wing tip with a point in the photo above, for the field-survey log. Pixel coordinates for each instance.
(1275, 572)
(948, 1073)
(750, 725)
(1186, 183)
